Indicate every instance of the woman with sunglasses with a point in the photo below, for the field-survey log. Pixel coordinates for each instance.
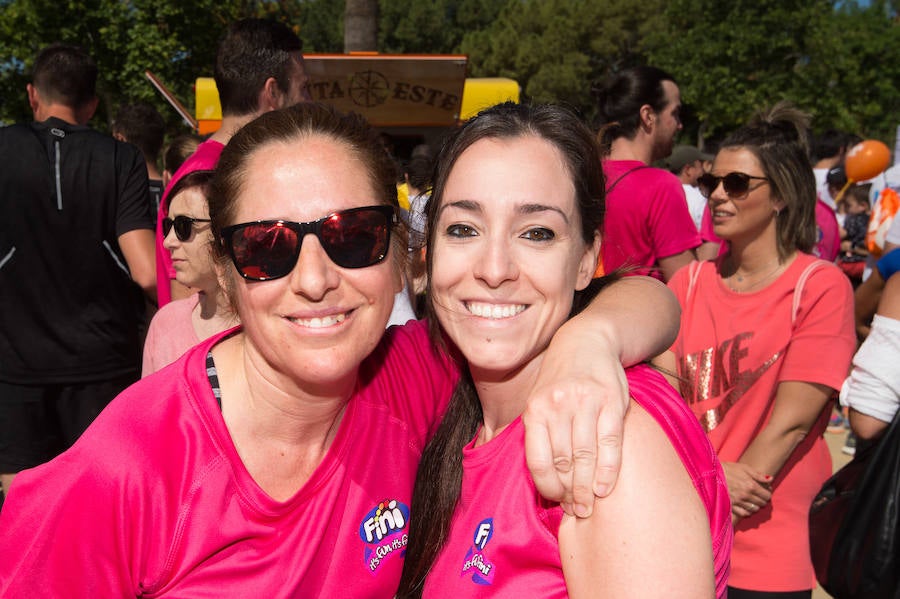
(181, 324)
(277, 459)
(513, 243)
(766, 339)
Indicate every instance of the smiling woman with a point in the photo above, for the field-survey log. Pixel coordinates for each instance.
(513, 243)
(302, 179)
(277, 458)
(531, 239)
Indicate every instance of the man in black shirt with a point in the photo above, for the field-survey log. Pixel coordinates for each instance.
(141, 125)
(76, 250)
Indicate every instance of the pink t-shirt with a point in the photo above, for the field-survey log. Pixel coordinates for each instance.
(828, 235)
(503, 541)
(154, 500)
(707, 233)
(646, 218)
(171, 333)
(733, 350)
(204, 158)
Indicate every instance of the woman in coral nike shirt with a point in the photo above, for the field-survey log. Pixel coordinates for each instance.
(766, 339)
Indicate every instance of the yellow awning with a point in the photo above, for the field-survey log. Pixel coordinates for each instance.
(482, 92)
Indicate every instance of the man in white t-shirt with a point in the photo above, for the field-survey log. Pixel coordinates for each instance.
(687, 163)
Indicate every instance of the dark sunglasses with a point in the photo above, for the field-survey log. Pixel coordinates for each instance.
(735, 184)
(269, 249)
(183, 226)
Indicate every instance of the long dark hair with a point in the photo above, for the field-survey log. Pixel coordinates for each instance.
(439, 477)
(620, 98)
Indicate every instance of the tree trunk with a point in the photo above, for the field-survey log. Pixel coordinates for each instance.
(361, 26)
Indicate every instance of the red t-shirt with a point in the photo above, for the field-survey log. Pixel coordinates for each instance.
(828, 235)
(155, 500)
(646, 217)
(504, 537)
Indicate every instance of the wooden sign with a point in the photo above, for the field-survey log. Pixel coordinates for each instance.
(390, 90)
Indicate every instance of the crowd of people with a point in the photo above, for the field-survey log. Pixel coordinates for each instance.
(574, 361)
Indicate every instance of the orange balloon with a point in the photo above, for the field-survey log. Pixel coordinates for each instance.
(866, 160)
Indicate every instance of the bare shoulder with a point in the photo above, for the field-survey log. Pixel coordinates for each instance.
(654, 510)
(650, 457)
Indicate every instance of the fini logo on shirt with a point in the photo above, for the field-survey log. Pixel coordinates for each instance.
(383, 530)
(475, 563)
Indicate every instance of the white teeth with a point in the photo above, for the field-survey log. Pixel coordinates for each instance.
(495, 311)
(319, 323)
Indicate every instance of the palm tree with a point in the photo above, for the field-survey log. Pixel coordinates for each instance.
(360, 25)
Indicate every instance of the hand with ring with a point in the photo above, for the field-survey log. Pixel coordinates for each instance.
(750, 490)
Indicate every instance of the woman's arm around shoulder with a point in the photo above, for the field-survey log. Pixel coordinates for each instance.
(651, 536)
(575, 412)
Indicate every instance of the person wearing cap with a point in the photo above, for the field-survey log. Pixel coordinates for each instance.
(835, 181)
(687, 163)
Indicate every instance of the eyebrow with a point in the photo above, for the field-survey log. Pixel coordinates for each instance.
(473, 206)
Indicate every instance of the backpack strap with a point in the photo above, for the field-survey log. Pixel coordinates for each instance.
(623, 175)
(801, 282)
(694, 269)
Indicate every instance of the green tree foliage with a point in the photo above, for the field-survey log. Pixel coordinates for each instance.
(834, 59)
(734, 58)
(432, 26)
(558, 49)
(859, 72)
(321, 26)
(175, 40)
(837, 59)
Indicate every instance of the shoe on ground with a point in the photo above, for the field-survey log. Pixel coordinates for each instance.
(849, 447)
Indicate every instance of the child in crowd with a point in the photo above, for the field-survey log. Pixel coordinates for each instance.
(853, 254)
